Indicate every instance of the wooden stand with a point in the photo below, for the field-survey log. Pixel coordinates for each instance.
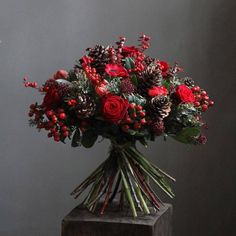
(80, 222)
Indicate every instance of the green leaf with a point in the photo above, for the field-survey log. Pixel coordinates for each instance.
(186, 135)
(76, 138)
(136, 98)
(134, 80)
(129, 63)
(89, 137)
(166, 84)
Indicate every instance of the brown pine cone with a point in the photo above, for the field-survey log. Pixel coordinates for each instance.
(101, 57)
(150, 77)
(85, 106)
(159, 107)
(189, 82)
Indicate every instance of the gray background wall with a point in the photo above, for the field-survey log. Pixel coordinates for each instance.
(37, 175)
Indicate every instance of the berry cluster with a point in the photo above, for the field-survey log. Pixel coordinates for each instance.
(29, 84)
(89, 71)
(53, 121)
(202, 100)
(135, 118)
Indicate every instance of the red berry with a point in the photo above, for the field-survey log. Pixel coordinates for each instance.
(56, 138)
(125, 128)
(142, 113)
(196, 89)
(134, 115)
(128, 120)
(54, 119)
(137, 126)
(53, 130)
(204, 107)
(203, 93)
(64, 128)
(132, 105)
(62, 116)
(65, 134)
(139, 107)
(49, 113)
(198, 97)
(143, 121)
(205, 97)
(32, 106)
(196, 104)
(211, 103)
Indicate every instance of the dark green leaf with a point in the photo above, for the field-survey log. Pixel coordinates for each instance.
(129, 63)
(76, 138)
(89, 137)
(186, 135)
(134, 80)
(166, 84)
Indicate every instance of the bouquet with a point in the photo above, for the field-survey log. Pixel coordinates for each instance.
(119, 93)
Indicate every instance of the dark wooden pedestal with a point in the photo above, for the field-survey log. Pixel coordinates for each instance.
(80, 222)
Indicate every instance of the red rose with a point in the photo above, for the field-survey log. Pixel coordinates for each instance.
(52, 98)
(115, 70)
(157, 91)
(185, 94)
(114, 108)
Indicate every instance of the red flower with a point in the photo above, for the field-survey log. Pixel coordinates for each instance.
(164, 66)
(129, 51)
(115, 70)
(114, 108)
(185, 94)
(60, 74)
(51, 99)
(157, 91)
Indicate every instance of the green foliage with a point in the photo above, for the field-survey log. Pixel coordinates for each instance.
(89, 137)
(129, 63)
(82, 84)
(134, 80)
(181, 116)
(72, 76)
(166, 83)
(76, 138)
(114, 85)
(136, 98)
(187, 135)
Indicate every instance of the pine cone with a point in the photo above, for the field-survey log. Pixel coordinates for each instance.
(148, 60)
(189, 82)
(100, 56)
(158, 127)
(150, 77)
(85, 107)
(159, 107)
